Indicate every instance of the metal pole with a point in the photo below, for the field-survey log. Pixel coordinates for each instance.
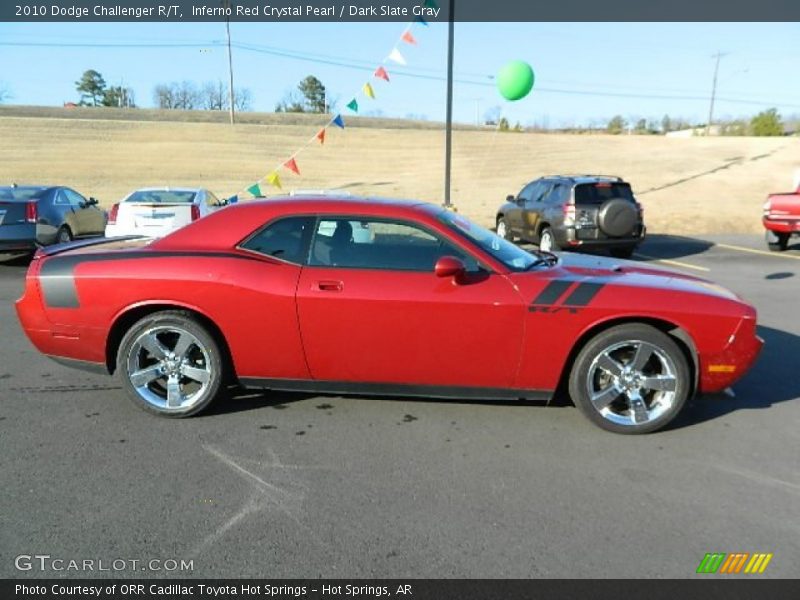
(713, 94)
(448, 143)
(230, 62)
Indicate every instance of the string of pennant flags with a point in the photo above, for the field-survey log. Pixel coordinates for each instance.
(367, 90)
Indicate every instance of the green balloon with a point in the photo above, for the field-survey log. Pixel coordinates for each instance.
(515, 80)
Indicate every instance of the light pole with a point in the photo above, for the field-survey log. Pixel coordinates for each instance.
(227, 5)
(448, 140)
(718, 55)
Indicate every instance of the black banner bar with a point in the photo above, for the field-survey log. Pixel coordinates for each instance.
(712, 587)
(397, 10)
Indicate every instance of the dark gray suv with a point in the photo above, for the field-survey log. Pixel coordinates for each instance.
(574, 212)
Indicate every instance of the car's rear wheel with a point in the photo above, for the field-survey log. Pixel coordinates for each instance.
(777, 242)
(503, 230)
(170, 364)
(631, 378)
(547, 242)
(64, 235)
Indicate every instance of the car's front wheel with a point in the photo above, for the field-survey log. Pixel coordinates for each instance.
(631, 378)
(503, 230)
(170, 364)
(64, 235)
(777, 242)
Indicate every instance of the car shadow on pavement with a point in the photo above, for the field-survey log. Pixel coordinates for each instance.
(657, 246)
(773, 379)
(19, 260)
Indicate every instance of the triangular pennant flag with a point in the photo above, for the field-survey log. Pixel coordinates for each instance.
(380, 73)
(254, 190)
(353, 105)
(338, 121)
(395, 56)
(408, 38)
(421, 21)
(274, 180)
(291, 164)
(431, 4)
(233, 199)
(368, 91)
(321, 136)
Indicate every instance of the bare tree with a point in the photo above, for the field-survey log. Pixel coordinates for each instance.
(187, 96)
(5, 92)
(164, 96)
(214, 96)
(242, 99)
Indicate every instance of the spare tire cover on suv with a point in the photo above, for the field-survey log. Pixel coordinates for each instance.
(617, 217)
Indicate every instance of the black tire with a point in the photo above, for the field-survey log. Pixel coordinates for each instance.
(624, 252)
(504, 229)
(64, 235)
(202, 359)
(668, 368)
(777, 242)
(547, 241)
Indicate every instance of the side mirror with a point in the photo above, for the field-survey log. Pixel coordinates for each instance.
(450, 266)
(511, 198)
(92, 202)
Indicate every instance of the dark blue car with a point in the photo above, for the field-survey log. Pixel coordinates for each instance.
(38, 215)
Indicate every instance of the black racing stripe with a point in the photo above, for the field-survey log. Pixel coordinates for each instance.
(583, 294)
(552, 292)
(57, 276)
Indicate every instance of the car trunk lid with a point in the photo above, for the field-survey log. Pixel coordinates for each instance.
(157, 218)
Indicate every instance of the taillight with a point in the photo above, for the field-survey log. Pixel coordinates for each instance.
(767, 207)
(195, 212)
(31, 212)
(569, 214)
(112, 216)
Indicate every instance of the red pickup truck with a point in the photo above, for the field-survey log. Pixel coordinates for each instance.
(782, 218)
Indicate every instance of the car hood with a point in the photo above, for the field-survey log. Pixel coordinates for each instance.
(609, 271)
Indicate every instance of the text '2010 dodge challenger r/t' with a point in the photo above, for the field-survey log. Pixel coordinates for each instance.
(382, 297)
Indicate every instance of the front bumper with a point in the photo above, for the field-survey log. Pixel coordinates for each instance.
(721, 370)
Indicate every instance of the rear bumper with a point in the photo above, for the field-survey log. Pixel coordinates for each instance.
(721, 370)
(572, 237)
(782, 225)
(18, 238)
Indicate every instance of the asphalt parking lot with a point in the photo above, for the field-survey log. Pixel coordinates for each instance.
(286, 485)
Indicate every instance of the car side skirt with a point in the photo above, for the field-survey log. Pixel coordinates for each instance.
(396, 389)
(81, 365)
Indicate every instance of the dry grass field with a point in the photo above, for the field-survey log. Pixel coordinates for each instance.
(688, 186)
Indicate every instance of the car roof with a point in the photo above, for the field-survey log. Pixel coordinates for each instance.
(28, 187)
(586, 178)
(228, 226)
(166, 188)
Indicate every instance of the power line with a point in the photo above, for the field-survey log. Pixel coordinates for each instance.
(476, 80)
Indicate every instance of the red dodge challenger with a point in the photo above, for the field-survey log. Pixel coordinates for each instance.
(382, 297)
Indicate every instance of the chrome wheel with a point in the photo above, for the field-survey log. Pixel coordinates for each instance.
(546, 241)
(502, 229)
(632, 382)
(169, 368)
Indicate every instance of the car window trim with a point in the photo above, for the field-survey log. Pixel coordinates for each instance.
(305, 251)
(482, 266)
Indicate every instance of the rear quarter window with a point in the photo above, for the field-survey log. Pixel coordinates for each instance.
(597, 193)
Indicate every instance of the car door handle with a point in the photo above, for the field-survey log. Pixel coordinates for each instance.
(330, 286)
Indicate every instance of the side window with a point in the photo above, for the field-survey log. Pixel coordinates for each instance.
(527, 192)
(74, 198)
(211, 200)
(61, 198)
(380, 244)
(558, 194)
(286, 239)
(542, 192)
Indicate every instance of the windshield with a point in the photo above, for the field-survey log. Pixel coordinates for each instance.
(165, 196)
(512, 256)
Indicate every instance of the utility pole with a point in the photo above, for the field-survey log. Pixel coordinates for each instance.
(227, 4)
(448, 140)
(718, 55)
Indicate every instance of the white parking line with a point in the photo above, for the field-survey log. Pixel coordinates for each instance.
(754, 251)
(672, 262)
